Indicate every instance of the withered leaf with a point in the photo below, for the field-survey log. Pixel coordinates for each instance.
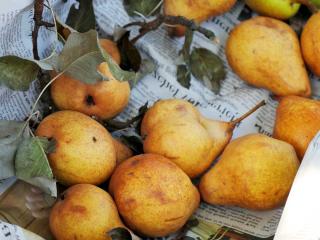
(183, 76)
(208, 68)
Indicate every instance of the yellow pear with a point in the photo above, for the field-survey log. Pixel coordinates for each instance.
(175, 129)
(104, 99)
(197, 10)
(297, 122)
(154, 196)
(84, 212)
(123, 152)
(265, 52)
(84, 151)
(254, 172)
(310, 43)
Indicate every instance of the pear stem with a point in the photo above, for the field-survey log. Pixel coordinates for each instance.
(236, 121)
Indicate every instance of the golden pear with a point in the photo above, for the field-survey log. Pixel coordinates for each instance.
(154, 196)
(297, 122)
(197, 10)
(254, 172)
(104, 99)
(265, 52)
(84, 151)
(175, 129)
(310, 43)
(123, 152)
(84, 212)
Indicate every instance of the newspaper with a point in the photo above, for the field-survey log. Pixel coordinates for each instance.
(234, 99)
(300, 220)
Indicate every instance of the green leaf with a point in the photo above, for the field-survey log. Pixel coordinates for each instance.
(120, 234)
(82, 19)
(17, 73)
(80, 57)
(145, 7)
(183, 76)
(11, 134)
(31, 159)
(208, 68)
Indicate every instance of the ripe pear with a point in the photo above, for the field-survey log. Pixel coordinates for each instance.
(104, 99)
(84, 151)
(84, 212)
(265, 52)
(197, 10)
(280, 9)
(175, 129)
(154, 196)
(254, 172)
(123, 152)
(310, 43)
(297, 122)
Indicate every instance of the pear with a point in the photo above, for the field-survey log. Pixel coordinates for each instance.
(123, 152)
(196, 10)
(175, 129)
(84, 212)
(84, 150)
(280, 9)
(297, 122)
(265, 52)
(310, 43)
(254, 172)
(154, 196)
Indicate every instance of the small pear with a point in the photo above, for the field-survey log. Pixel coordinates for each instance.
(265, 52)
(297, 122)
(310, 43)
(254, 172)
(197, 10)
(84, 212)
(175, 129)
(280, 9)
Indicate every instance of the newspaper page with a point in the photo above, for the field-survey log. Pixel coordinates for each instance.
(300, 220)
(234, 99)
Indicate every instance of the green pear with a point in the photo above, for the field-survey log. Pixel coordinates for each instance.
(281, 9)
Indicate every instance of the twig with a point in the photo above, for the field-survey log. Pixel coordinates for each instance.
(38, 22)
(146, 27)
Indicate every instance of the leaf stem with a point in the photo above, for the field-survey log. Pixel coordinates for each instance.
(153, 25)
(38, 98)
(236, 121)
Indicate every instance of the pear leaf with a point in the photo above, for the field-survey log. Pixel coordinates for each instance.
(80, 57)
(145, 7)
(130, 56)
(208, 68)
(31, 159)
(82, 19)
(17, 73)
(183, 76)
(119, 234)
(11, 134)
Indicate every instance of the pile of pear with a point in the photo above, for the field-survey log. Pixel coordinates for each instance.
(152, 194)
